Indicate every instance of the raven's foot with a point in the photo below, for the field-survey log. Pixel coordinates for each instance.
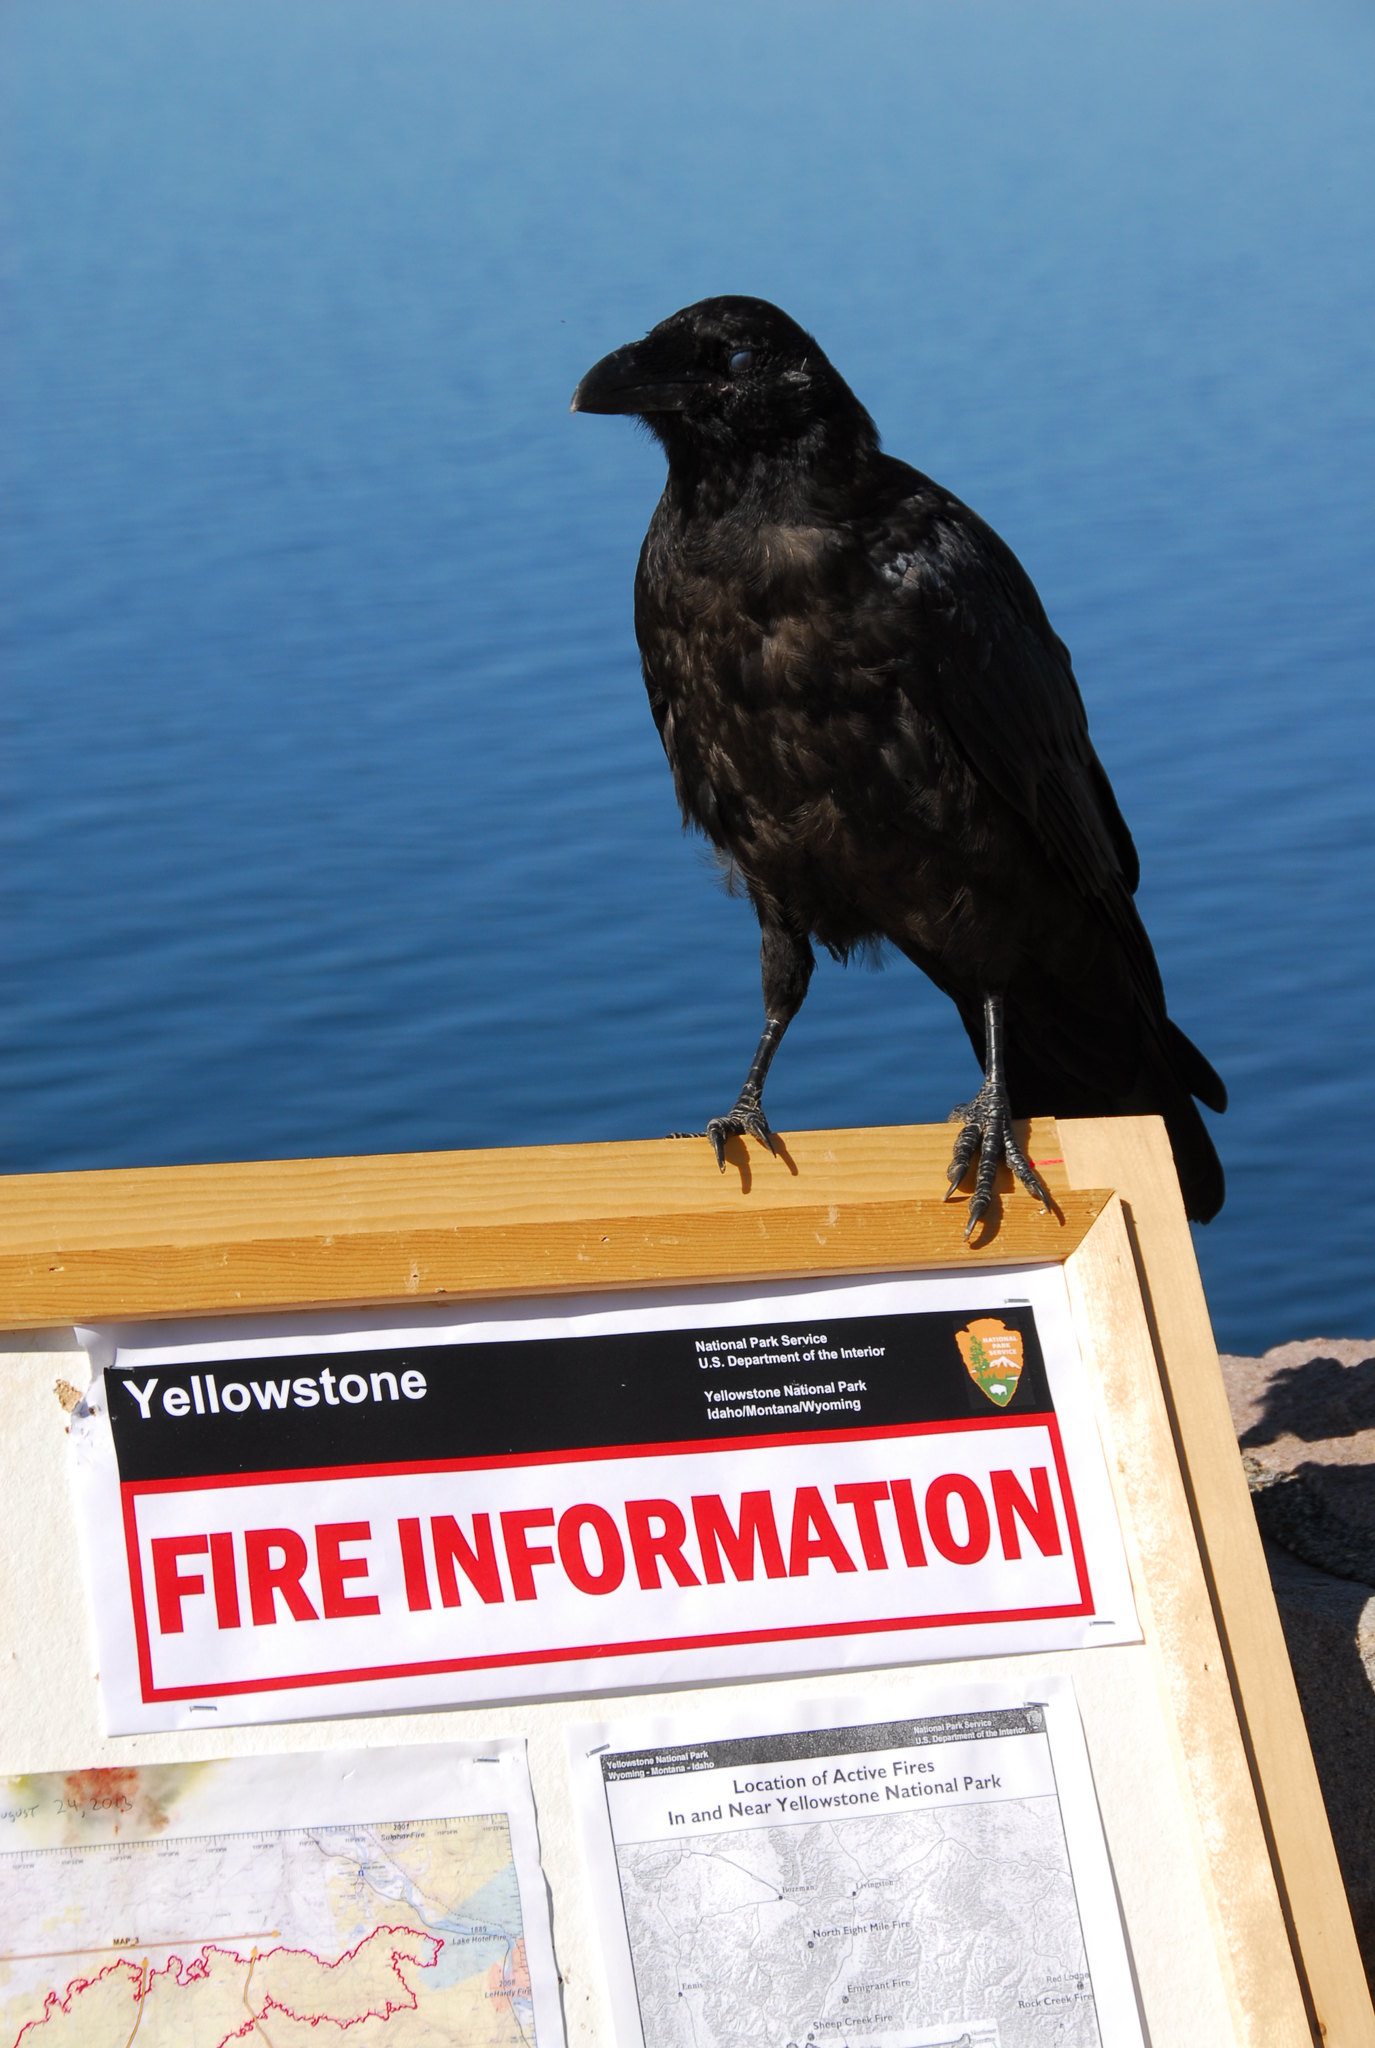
(747, 1119)
(987, 1130)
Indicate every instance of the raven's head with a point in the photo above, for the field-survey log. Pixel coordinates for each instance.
(729, 375)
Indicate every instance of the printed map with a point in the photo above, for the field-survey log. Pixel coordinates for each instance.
(955, 1927)
(393, 1935)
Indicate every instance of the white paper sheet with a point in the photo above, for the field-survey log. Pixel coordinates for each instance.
(817, 1872)
(348, 1894)
(341, 1515)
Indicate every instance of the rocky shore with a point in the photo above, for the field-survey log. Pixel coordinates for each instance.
(1305, 1421)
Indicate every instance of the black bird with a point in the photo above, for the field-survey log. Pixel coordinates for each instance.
(866, 710)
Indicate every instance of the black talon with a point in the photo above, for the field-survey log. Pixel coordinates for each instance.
(965, 1147)
(988, 1130)
(1024, 1171)
(747, 1119)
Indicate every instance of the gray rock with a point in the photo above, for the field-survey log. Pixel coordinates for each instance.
(1329, 1626)
(1305, 1420)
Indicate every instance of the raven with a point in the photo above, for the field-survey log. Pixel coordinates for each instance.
(866, 710)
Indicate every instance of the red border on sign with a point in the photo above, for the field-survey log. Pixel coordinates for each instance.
(592, 1652)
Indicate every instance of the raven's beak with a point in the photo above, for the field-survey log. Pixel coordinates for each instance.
(625, 382)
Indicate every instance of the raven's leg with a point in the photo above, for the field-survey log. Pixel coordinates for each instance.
(785, 968)
(988, 1128)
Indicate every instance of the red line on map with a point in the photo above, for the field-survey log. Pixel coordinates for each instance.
(175, 1973)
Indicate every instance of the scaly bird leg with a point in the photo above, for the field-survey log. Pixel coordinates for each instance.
(748, 1113)
(988, 1129)
(785, 968)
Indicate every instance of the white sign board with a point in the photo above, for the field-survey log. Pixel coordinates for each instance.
(312, 1517)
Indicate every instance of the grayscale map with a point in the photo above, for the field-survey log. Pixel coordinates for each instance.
(911, 1930)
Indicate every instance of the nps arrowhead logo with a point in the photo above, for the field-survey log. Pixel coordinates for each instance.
(992, 1357)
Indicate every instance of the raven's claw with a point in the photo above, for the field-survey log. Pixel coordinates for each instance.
(747, 1119)
(988, 1131)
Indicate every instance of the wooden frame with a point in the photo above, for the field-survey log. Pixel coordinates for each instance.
(197, 1240)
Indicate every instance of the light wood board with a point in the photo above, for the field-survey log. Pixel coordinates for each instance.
(295, 1233)
(1223, 1856)
(1134, 1153)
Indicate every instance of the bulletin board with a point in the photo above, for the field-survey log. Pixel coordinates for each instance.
(1220, 1853)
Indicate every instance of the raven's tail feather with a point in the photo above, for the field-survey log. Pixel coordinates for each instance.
(1196, 1162)
(1199, 1075)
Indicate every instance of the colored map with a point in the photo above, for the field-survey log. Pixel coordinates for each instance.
(396, 1934)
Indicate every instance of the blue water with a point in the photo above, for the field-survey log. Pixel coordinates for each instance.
(333, 818)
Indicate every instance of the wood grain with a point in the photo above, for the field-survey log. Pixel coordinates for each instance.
(1181, 1632)
(195, 1240)
(1133, 1155)
(181, 1241)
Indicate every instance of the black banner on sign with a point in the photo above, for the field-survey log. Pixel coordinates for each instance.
(527, 1396)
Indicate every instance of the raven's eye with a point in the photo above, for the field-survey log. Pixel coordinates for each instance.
(742, 359)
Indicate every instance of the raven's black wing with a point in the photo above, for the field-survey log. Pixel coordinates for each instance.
(997, 676)
(1000, 680)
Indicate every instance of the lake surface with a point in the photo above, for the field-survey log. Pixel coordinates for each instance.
(333, 818)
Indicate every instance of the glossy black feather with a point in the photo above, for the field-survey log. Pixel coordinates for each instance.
(865, 707)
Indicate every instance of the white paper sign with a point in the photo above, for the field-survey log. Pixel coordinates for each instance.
(339, 1895)
(295, 1519)
(819, 1871)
